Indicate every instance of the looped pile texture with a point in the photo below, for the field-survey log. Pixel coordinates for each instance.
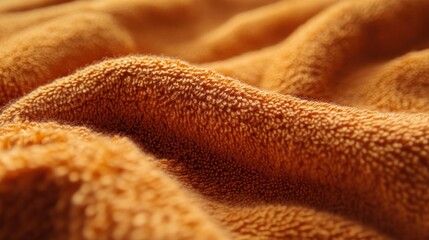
(214, 119)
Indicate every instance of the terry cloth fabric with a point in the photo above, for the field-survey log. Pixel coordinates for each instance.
(214, 119)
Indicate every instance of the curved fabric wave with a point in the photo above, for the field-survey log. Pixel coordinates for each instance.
(189, 119)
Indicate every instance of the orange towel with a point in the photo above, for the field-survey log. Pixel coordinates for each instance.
(214, 119)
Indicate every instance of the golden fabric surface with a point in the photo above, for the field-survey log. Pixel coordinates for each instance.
(214, 119)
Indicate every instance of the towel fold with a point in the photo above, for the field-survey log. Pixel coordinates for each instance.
(208, 119)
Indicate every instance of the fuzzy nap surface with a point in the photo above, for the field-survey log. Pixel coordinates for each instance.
(214, 119)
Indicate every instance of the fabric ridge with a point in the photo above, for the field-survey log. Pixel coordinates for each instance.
(214, 119)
